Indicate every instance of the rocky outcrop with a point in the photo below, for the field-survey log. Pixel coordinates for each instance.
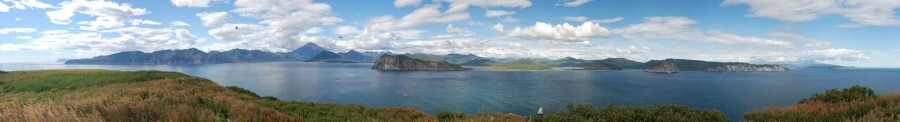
(405, 63)
(747, 68)
(665, 66)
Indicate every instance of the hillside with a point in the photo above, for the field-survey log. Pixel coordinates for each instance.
(103, 95)
(522, 64)
(856, 103)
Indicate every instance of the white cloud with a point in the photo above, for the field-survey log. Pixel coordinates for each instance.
(509, 19)
(491, 3)
(681, 28)
(23, 4)
(578, 18)
(404, 3)
(214, 18)
(193, 3)
(610, 20)
(16, 30)
(282, 24)
(498, 13)
(572, 3)
(561, 32)
(94, 43)
(860, 12)
(429, 14)
(344, 30)
(452, 31)
(108, 14)
(179, 24)
(834, 55)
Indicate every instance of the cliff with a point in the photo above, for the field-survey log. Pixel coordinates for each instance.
(665, 66)
(747, 68)
(405, 63)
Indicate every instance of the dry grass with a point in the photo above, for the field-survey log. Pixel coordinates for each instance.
(884, 107)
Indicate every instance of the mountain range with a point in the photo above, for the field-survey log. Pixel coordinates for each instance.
(311, 52)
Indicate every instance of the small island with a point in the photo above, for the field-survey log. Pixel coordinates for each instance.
(405, 63)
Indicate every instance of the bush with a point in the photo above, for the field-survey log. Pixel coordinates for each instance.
(669, 112)
(1, 72)
(844, 95)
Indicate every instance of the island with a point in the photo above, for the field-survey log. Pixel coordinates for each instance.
(677, 65)
(405, 63)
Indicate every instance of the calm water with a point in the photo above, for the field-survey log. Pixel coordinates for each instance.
(518, 92)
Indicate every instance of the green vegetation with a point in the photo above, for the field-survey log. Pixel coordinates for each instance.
(615, 113)
(837, 95)
(523, 64)
(1, 71)
(856, 103)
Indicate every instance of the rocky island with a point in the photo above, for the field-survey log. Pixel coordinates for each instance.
(665, 66)
(405, 63)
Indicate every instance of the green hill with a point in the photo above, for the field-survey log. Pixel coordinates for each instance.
(522, 64)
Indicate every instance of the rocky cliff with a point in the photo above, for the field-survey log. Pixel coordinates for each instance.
(747, 68)
(665, 66)
(405, 63)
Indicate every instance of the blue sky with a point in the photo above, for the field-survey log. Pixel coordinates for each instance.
(847, 32)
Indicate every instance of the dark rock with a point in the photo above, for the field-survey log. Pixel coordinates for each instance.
(665, 66)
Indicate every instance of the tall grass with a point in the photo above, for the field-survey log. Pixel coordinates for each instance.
(856, 103)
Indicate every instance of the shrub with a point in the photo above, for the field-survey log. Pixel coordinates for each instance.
(1, 71)
(669, 112)
(844, 95)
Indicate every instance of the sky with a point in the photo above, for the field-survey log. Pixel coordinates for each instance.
(862, 33)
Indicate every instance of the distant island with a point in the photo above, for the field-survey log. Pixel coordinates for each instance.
(405, 63)
(311, 52)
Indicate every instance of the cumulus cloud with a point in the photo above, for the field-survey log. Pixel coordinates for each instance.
(282, 24)
(23, 4)
(860, 12)
(572, 3)
(194, 3)
(179, 24)
(16, 30)
(404, 3)
(561, 32)
(214, 18)
(681, 28)
(108, 14)
(498, 13)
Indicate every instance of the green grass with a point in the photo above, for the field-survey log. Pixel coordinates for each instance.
(75, 81)
(618, 113)
(856, 103)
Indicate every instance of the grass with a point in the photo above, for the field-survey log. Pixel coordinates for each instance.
(103, 95)
(856, 103)
(617, 113)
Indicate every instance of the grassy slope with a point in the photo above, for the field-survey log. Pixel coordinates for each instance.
(100, 95)
(850, 104)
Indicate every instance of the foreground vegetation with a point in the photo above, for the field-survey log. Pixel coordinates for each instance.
(856, 103)
(618, 113)
(103, 95)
